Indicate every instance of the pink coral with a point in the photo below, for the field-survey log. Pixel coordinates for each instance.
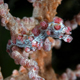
(33, 38)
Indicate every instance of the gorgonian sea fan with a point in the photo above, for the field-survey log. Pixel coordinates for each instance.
(42, 31)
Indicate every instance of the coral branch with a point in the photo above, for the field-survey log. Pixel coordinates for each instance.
(74, 22)
(16, 25)
(1, 77)
(30, 64)
(71, 75)
(45, 9)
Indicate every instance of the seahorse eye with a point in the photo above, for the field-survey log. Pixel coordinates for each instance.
(57, 27)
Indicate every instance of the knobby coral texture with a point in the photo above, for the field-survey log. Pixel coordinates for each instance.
(32, 39)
